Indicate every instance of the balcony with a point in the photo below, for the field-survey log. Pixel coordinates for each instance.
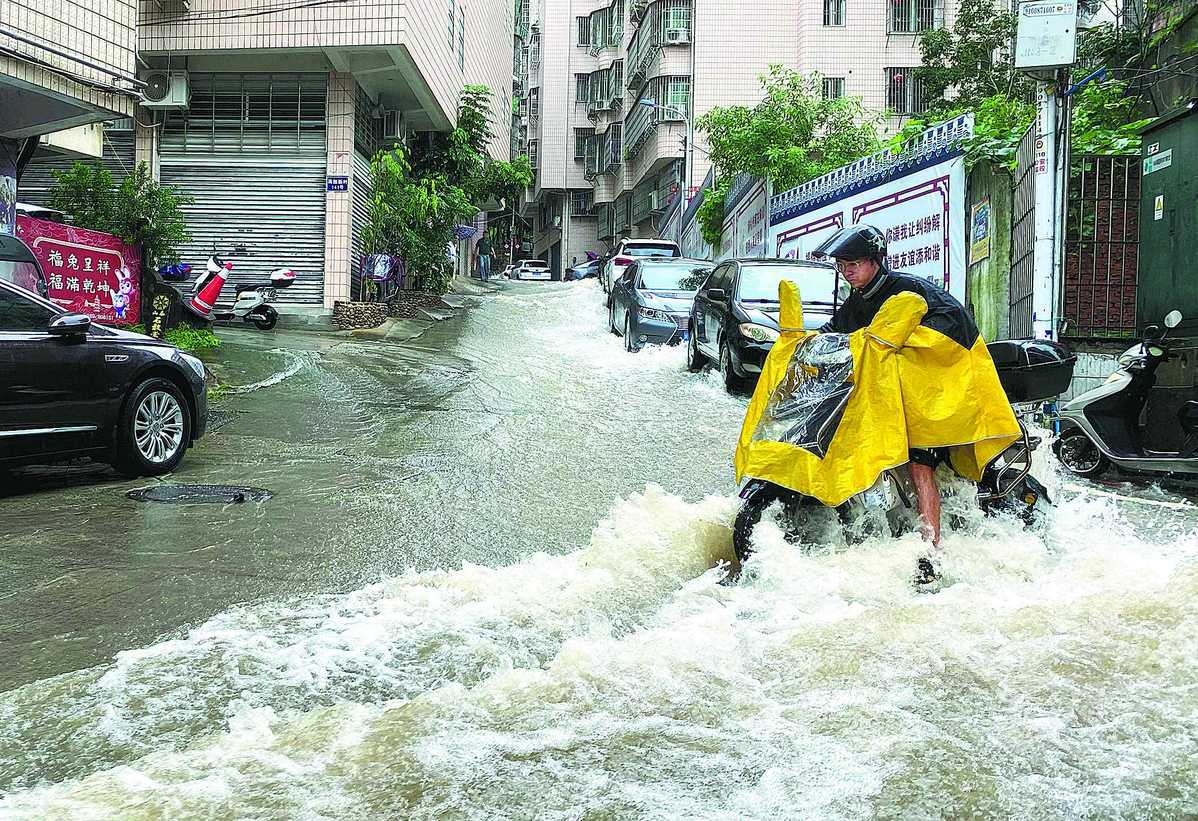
(665, 23)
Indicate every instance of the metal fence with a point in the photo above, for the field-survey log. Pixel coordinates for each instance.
(1023, 238)
(1102, 243)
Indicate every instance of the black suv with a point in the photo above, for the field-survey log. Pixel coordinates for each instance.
(70, 388)
(734, 319)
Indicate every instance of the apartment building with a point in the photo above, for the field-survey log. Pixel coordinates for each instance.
(64, 64)
(611, 90)
(266, 114)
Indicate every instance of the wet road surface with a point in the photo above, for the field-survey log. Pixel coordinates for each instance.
(482, 589)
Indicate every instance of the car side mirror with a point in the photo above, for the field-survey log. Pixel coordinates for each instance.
(717, 295)
(69, 324)
(1172, 319)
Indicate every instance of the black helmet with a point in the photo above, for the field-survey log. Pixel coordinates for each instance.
(854, 242)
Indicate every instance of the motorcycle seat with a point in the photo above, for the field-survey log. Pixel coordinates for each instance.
(253, 287)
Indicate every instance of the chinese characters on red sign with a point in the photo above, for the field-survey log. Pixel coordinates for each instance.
(87, 272)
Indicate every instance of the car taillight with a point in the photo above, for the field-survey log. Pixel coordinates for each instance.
(623, 261)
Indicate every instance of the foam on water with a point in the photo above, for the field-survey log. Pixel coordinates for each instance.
(1052, 677)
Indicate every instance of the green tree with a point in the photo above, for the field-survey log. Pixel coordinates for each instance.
(791, 136)
(140, 211)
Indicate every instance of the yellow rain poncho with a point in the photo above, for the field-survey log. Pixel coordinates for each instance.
(908, 386)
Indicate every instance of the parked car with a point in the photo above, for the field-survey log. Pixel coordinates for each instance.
(629, 250)
(533, 269)
(69, 388)
(734, 319)
(584, 271)
(508, 271)
(651, 301)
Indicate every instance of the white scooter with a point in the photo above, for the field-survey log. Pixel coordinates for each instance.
(252, 304)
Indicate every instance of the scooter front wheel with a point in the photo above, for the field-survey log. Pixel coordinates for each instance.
(1081, 456)
(264, 320)
(756, 499)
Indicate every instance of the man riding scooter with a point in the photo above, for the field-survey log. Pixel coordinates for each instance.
(951, 393)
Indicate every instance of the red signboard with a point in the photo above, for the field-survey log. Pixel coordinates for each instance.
(88, 272)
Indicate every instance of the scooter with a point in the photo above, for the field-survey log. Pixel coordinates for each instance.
(1105, 426)
(252, 304)
(1031, 372)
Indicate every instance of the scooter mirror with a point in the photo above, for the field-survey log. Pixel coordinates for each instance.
(1172, 319)
(1152, 332)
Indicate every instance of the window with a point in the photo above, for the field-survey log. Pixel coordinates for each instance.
(581, 135)
(914, 16)
(462, 39)
(834, 12)
(678, 96)
(582, 88)
(904, 94)
(833, 88)
(452, 17)
(534, 103)
(582, 203)
(584, 30)
(532, 154)
(20, 314)
(676, 18)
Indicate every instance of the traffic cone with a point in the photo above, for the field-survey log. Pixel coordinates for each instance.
(202, 303)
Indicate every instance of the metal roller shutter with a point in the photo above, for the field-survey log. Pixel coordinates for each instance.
(273, 205)
(118, 157)
(363, 190)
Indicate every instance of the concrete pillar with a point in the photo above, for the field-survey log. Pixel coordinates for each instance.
(338, 205)
(145, 147)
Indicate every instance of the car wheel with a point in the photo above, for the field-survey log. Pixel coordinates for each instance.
(695, 360)
(629, 342)
(1081, 456)
(154, 430)
(732, 382)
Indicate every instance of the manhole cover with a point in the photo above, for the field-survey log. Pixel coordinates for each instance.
(199, 494)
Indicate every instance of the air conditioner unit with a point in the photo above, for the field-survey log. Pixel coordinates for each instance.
(654, 205)
(392, 125)
(165, 90)
(677, 36)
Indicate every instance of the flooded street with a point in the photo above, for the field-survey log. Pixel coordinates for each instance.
(484, 589)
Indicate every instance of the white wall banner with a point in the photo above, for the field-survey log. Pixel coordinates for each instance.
(746, 224)
(917, 198)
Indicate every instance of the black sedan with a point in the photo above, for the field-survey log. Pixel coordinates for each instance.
(69, 388)
(734, 320)
(651, 300)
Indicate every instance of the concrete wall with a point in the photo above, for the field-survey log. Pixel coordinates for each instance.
(988, 283)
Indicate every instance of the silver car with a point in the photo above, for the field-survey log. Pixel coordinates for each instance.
(651, 301)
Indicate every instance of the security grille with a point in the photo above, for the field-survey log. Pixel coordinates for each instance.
(1102, 243)
(915, 16)
(833, 88)
(362, 186)
(904, 93)
(834, 12)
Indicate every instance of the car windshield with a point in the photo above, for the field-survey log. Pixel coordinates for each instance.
(759, 283)
(678, 276)
(651, 251)
(535, 263)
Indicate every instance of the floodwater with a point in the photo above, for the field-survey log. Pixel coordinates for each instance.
(485, 589)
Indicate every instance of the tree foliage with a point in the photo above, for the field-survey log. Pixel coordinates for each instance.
(140, 211)
(974, 61)
(422, 193)
(791, 136)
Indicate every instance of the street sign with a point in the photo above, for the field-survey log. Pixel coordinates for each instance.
(336, 183)
(1158, 161)
(1047, 34)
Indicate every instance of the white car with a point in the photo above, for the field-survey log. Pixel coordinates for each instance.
(509, 271)
(533, 269)
(627, 252)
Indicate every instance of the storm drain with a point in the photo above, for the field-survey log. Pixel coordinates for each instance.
(199, 494)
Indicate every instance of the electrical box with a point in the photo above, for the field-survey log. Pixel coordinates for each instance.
(1046, 36)
(1169, 221)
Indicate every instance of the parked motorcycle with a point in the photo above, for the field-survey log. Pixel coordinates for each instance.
(252, 303)
(1105, 426)
(1031, 372)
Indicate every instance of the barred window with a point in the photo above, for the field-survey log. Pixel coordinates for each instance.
(581, 136)
(462, 39)
(904, 93)
(582, 88)
(833, 88)
(584, 30)
(582, 203)
(834, 12)
(915, 16)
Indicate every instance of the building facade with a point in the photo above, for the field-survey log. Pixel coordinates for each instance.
(611, 90)
(266, 116)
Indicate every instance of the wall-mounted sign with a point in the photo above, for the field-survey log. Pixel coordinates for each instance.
(336, 183)
(979, 231)
(1158, 161)
(1158, 210)
(1046, 35)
